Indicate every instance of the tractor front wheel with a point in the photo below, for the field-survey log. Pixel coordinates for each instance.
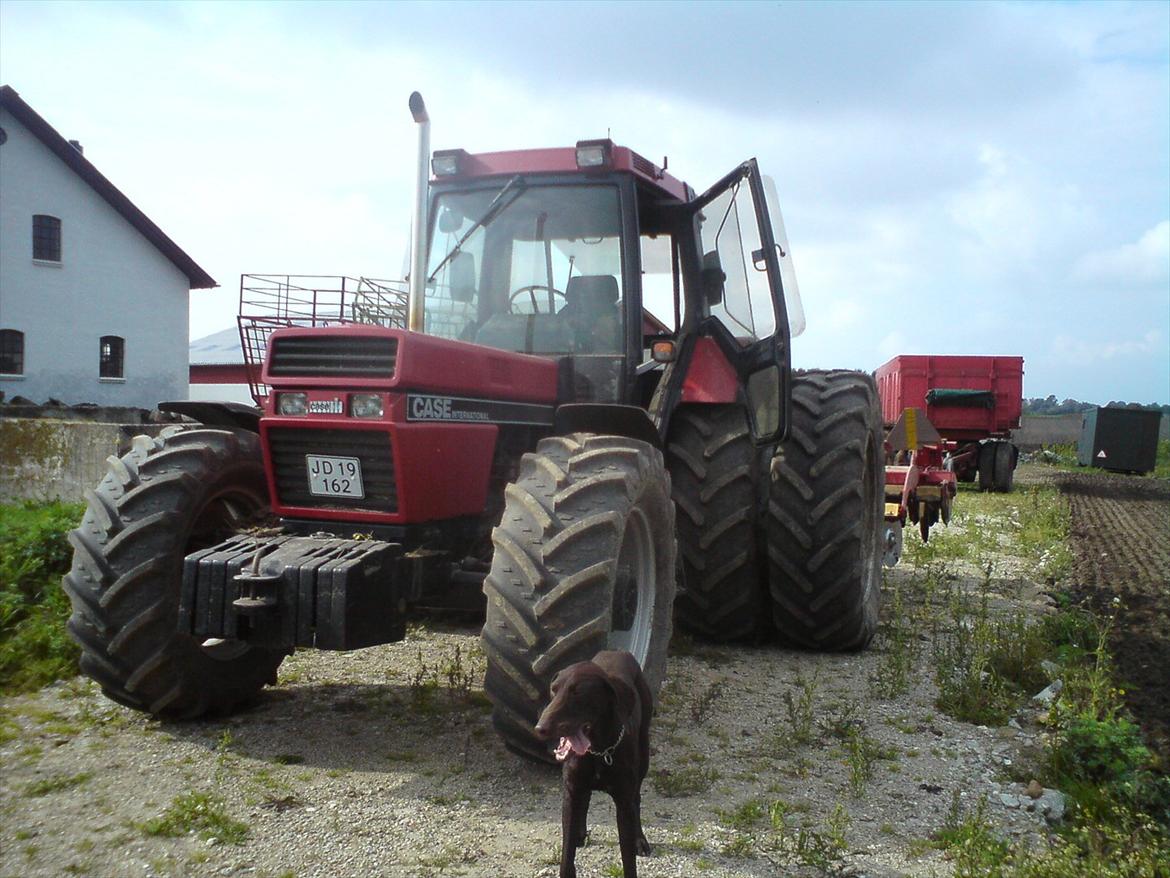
(584, 560)
(169, 496)
(825, 526)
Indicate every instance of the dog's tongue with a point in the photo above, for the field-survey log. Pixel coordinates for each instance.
(575, 743)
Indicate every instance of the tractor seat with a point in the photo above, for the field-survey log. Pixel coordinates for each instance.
(592, 313)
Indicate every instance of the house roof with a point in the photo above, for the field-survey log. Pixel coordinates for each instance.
(11, 101)
(218, 349)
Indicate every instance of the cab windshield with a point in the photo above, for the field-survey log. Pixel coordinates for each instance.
(534, 269)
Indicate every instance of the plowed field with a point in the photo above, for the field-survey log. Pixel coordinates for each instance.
(1121, 538)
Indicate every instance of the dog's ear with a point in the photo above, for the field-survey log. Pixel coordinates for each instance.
(625, 699)
(556, 680)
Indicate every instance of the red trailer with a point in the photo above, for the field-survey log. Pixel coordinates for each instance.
(949, 417)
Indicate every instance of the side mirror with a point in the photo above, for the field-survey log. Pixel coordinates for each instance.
(712, 276)
(763, 398)
(462, 277)
(450, 221)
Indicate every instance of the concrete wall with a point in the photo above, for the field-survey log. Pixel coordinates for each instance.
(43, 459)
(1037, 430)
(110, 281)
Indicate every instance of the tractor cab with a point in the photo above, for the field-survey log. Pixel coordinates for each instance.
(597, 257)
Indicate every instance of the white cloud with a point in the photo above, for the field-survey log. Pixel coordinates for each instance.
(1084, 351)
(1144, 262)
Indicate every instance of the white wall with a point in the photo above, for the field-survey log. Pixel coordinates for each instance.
(111, 281)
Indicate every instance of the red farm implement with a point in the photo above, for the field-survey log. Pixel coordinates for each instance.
(950, 420)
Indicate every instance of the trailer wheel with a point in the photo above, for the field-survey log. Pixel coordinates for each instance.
(186, 490)
(584, 560)
(713, 468)
(987, 466)
(1004, 466)
(825, 524)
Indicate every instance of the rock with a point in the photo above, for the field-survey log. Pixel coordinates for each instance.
(1009, 800)
(1052, 805)
(1034, 789)
(1048, 695)
(1052, 669)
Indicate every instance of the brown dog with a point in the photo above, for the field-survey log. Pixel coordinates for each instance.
(601, 712)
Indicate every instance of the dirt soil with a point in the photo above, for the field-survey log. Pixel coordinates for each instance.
(382, 762)
(1121, 539)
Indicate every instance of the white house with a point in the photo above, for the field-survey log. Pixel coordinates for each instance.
(93, 295)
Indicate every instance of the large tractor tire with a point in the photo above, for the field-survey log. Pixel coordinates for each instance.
(1004, 466)
(825, 523)
(713, 470)
(987, 465)
(186, 490)
(584, 560)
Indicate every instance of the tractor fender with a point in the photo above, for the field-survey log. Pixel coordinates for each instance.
(232, 415)
(608, 418)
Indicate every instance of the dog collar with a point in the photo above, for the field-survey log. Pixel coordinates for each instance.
(607, 754)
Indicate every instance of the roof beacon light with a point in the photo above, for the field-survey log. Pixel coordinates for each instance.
(594, 153)
(447, 162)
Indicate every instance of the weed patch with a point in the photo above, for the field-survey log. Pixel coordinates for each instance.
(57, 784)
(34, 554)
(200, 813)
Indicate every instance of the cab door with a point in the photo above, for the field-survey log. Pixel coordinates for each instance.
(741, 300)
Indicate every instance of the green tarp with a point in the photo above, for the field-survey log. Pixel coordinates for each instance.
(970, 398)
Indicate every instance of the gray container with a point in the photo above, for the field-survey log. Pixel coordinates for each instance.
(1123, 440)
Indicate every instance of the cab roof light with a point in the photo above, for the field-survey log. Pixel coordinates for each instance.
(594, 154)
(448, 162)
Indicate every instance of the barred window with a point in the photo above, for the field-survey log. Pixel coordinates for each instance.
(46, 238)
(11, 352)
(113, 348)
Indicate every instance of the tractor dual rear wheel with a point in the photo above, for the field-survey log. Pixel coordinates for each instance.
(713, 469)
(825, 525)
(186, 490)
(584, 560)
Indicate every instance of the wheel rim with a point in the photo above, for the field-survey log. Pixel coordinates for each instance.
(633, 590)
(222, 515)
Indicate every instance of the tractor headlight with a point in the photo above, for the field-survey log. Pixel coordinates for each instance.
(448, 162)
(366, 405)
(594, 153)
(292, 403)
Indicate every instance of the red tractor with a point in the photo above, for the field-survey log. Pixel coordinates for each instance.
(532, 433)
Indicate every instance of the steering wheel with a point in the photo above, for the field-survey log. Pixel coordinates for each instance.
(531, 291)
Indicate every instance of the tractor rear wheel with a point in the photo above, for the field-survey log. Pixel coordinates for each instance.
(713, 470)
(825, 522)
(584, 561)
(1004, 466)
(186, 490)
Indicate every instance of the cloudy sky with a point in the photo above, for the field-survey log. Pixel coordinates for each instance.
(956, 178)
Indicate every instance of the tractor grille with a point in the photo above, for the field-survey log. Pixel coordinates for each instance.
(288, 447)
(325, 356)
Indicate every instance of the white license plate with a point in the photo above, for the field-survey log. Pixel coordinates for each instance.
(334, 476)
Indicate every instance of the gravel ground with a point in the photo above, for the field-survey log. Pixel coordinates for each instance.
(383, 763)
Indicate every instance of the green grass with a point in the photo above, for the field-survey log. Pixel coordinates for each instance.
(200, 813)
(987, 662)
(34, 554)
(1162, 461)
(56, 784)
(686, 780)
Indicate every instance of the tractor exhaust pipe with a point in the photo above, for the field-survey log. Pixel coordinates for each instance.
(418, 229)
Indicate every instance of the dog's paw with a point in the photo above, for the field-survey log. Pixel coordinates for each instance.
(643, 847)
